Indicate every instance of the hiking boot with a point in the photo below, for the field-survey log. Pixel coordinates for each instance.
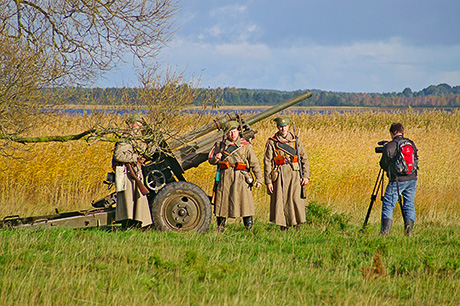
(247, 221)
(220, 224)
(386, 226)
(408, 228)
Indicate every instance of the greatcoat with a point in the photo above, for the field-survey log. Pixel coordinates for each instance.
(287, 208)
(233, 195)
(131, 204)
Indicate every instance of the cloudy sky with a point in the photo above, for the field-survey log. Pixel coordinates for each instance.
(336, 45)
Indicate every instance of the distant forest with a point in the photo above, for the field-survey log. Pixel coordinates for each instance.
(442, 95)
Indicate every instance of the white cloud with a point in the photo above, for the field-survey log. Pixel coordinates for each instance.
(364, 66)
(228, 10)
(243, 51)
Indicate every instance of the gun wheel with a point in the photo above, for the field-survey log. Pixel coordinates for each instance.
(155, 180)
(181, 207)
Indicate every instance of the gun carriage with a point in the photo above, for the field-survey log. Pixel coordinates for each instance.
(176, 205)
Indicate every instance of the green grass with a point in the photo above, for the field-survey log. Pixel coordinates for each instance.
(328, 262)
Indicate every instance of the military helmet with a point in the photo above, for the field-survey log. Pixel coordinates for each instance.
(135, 118)
(230, 126)
(282, 120)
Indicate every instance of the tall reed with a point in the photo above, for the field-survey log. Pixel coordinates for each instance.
(340, 148)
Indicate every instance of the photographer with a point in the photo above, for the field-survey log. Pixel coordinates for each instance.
(399, 159)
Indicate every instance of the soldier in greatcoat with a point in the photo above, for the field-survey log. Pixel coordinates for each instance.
(132, 208)
(284, 155)
(235, 159)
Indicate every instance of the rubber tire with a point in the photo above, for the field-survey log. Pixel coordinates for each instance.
(186, 197)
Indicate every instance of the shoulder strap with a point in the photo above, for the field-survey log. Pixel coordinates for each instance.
(286, 148)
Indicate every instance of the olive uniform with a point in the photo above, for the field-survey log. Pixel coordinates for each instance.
(131, 204)
(281, 168)
(233, 194)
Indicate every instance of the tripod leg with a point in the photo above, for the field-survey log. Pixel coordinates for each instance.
(378, 185)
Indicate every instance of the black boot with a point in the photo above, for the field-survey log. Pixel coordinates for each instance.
(130, 224)
(247, 221)
(408, 227)
(283, 228)
(220, 224)
(386, 226)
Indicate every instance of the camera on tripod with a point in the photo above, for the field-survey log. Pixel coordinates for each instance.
(381, 146)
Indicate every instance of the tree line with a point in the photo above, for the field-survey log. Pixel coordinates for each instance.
(442, 95)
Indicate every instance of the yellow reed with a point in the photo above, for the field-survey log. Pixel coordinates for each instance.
(340, 147)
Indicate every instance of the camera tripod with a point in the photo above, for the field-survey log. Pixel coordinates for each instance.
(379, 187)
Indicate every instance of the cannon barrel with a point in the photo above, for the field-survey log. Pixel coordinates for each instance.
(273, 110)
(192, 149)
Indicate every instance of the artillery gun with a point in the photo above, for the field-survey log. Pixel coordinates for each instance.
(176, 205)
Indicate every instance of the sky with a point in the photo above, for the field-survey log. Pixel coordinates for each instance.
(335, 45)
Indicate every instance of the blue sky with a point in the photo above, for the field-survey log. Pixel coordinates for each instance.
(336, 45)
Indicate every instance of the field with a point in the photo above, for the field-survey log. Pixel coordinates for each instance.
(328, 262)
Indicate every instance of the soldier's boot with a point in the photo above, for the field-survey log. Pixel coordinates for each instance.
(247, 221)
(408, 228)
(220, 224)
(124, 224)
(386, 226)
(130, 224)
(283, 228)
(298, 227)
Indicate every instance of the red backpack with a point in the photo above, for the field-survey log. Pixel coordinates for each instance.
(406, 159)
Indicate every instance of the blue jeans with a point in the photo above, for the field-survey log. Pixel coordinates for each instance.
(407, 190)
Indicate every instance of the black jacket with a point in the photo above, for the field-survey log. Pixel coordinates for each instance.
(388, 157)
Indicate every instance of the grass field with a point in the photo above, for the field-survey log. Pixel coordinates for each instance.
(328, 262)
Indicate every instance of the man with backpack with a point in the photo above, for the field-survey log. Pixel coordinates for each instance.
(400, 160)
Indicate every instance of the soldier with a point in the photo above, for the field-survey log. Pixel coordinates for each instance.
(132, 206)
(236, 159)
(283, 152)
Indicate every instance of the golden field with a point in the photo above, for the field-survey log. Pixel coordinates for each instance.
(340, 147)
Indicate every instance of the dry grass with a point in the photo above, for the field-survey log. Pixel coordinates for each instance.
(340, 147)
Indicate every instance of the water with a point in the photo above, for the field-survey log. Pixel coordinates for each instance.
(215, 112)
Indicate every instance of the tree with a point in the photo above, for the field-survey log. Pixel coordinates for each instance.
(49, 44)
(81, 38)
(407, 92)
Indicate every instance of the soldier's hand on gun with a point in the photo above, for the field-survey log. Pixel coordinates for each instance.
(141, 159)
(304, 181)
(219, 155)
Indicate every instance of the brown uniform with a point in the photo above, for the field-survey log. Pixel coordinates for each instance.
(287, 208)
(131, 204)
(233, 197)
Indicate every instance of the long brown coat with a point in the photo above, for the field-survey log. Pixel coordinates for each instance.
(131, 204)
(287, 208)
(233, 196)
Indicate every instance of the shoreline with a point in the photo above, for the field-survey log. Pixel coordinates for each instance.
(260, 108)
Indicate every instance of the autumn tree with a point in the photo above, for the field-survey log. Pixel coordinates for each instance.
(53, 44)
